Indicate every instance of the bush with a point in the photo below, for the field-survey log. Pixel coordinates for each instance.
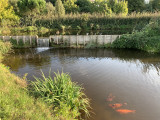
(147, 39)
(30, 28)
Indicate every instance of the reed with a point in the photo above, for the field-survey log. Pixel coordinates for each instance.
(60, 92)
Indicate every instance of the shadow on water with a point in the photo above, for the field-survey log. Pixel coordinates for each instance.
(131, 76)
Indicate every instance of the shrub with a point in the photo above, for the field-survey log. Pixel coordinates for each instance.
(148, 39)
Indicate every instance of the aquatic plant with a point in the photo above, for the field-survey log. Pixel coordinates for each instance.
(60, 92)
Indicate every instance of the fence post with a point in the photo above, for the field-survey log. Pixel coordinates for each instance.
(104, 39)
(57, 39)
(37, 39)
(77, 39)
(30, 39)
(23, 39)
(84, 40)
(111, 38)
(17, 39)
(3, 38)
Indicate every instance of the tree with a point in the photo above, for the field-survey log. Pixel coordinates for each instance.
(29, 6)
(30, 10)
(136, 5)
(59, 8)
(101, 6)
(50, 8)
(84, 5)
(155, 5)
(70, 6)
(120, 7)
(54, 1)
(7, 13)
(14, 4)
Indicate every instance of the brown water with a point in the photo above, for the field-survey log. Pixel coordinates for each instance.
(133, 77)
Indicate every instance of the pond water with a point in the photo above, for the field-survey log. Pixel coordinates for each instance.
(133, 77)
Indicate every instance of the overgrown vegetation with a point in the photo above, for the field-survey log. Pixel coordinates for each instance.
(147, 39)
(15, 100)
(75, 14)
(60, 92)
(47, 98)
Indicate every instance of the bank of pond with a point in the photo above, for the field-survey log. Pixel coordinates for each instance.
(52, 98)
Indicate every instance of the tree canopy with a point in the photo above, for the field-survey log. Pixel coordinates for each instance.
(136, 5)
(59, 8)
(6, 12)
(28, 6)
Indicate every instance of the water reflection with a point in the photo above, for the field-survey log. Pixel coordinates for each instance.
(41, 56)
(131, 76)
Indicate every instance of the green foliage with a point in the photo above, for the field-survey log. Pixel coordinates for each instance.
(147, 39)
(155, 5)
(120, 7)
(30, 28)
(84, 6)
(59, 8)
(26, 7)
(101, 6)
(50, 9)
(14, 4)
(7, 14)
(136, 5)
(121, 22)
(70, 6)
(21, 43)
(5, 47)
(61, 89)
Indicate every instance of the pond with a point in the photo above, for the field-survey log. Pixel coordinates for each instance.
(133, 77)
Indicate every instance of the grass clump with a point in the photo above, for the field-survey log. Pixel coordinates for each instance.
(147, 39)
(66, 97)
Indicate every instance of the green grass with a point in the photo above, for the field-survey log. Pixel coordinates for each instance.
(61, 90)
(16, 103)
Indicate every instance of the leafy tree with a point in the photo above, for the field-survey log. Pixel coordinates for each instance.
(31, 10)
(59, 8)
(136, 5)
(101, 6)
(84, 5)
(14, 4)
(120, 7)
(54, 1)
(7, 12)
(155, 5)
(29, 6)
(50, 8)
(70, 6)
